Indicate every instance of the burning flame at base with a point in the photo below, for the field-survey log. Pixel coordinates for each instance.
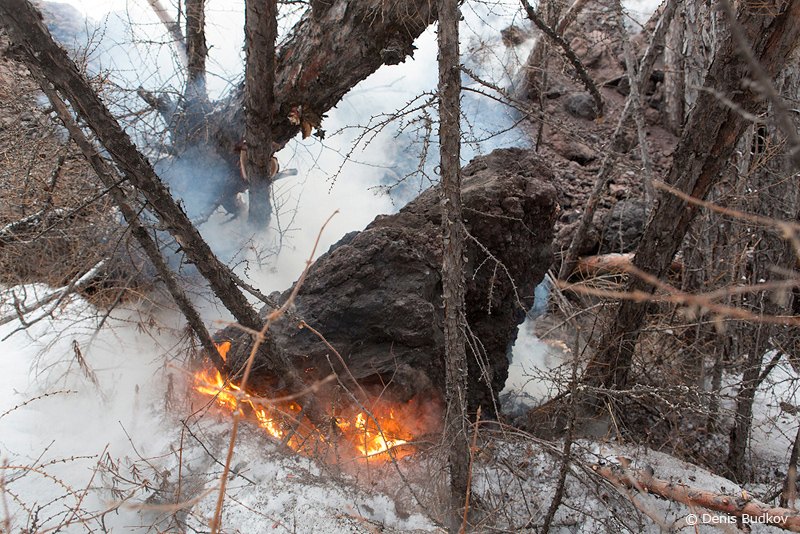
(371, 434)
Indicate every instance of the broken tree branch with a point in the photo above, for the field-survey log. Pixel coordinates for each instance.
(172, 27)
(741, 506)
(77, 283)
(109, 178)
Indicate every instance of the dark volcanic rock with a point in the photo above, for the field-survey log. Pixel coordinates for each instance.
(623, 226)
(376, 295)
(571, 149)
(581, 105)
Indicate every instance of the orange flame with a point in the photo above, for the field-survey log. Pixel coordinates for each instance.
(371, 434)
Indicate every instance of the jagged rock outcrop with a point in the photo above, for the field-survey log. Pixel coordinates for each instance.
(376, 294)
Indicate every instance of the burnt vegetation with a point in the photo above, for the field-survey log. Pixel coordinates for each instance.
(646, 233)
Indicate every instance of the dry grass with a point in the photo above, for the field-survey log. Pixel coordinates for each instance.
(56, 220)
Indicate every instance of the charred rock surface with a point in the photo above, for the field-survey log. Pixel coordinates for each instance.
(376, 294)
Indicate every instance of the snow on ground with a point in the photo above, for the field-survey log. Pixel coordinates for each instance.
(775, 418)
(72, 399)
(95, 438)
(294, 493)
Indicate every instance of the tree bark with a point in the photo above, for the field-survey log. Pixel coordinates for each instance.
(710, 136)
(261, 29)
(196, 50)
(453, 285)
(674, 76)
(328, 52)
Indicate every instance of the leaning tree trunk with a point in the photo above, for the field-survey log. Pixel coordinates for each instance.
(27, 31)
(261, 30)
(710, 136)
(456, 435)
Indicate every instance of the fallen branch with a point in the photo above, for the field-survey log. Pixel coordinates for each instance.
(741, 506)
(614, 263)
(78, 283)
(15, 230)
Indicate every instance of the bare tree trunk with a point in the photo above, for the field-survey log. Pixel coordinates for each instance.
(691, 46)
(789, 493)
(453, 285)
(261, 29)
(770, 191)
(736, 463)
(196, 50)
(674, 76)
(711, 134)
(109, 178)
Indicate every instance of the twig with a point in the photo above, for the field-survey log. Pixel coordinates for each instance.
(42, 396)
(216, 521)
(473, 448)
(788, 229)
(88, 487)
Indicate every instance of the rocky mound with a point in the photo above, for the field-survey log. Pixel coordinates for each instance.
(376, 294)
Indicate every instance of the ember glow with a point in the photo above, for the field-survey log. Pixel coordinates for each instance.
(370, 434)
